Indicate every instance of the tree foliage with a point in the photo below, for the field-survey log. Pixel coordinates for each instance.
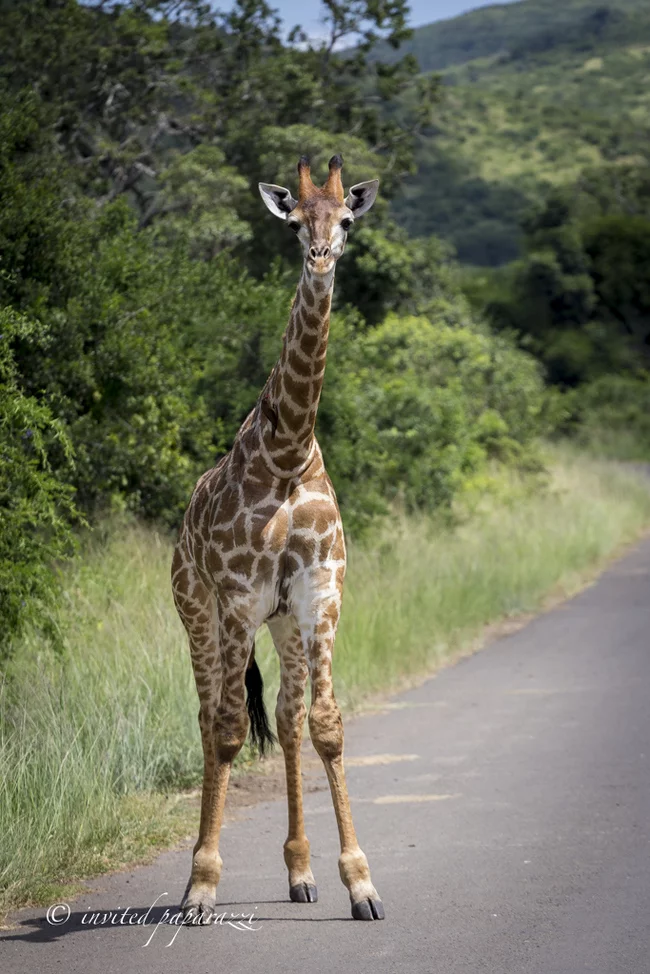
(579, 298)
(36, 506)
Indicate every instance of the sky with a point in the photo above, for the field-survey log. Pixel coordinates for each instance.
(306, 12)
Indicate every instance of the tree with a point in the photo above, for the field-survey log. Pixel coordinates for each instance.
(618, 247)
(579, 298)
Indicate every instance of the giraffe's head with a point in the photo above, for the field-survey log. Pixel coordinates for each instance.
(321, 216)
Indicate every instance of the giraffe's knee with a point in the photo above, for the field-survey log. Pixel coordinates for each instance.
(289, 719)
(326, 728)
(206, 720)
(231, 731)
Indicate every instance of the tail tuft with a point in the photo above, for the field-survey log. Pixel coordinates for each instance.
(261, 734)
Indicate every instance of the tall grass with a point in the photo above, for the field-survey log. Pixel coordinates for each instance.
(114, 716)
(422, 592)
(90, 741)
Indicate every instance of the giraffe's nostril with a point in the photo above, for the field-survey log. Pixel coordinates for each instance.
(315, 252)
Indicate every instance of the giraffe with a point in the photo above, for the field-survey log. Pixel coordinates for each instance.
(262, 542)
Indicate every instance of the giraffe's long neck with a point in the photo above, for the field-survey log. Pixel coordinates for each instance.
(289, 402)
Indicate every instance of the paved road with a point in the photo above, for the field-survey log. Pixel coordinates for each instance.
(512, 836)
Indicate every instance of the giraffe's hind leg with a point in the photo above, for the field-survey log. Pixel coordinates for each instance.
(290, 716)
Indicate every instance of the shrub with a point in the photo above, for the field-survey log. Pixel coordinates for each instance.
(36, 509)
(418, 407)
(612, 416)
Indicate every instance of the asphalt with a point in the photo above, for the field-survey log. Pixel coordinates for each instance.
(504, 807)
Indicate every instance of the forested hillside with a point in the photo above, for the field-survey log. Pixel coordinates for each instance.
(536, 92)
(521, 29)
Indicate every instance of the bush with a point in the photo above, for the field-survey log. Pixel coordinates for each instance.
(612, 416)
(418, 407)
(35, 507)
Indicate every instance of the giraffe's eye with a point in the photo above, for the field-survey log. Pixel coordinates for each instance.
(294, 225)
(346, 223)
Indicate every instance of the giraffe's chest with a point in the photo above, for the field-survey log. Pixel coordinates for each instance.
(272, 547)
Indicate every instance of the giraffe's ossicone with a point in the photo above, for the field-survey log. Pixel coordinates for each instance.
(262, 542)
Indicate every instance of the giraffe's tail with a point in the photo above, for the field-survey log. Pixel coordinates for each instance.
(262, 736)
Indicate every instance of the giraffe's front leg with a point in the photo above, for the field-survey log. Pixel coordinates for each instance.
(290, 715)
(318, 628)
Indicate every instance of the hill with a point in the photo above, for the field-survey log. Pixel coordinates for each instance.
(535, 93)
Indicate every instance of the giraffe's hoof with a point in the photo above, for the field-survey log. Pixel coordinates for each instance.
(303, 893)
(369, 909)
(199, 906)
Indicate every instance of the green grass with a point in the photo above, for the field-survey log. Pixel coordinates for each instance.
(94, 745)
(624, 445)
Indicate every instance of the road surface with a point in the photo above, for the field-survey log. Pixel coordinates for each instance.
(504, 807)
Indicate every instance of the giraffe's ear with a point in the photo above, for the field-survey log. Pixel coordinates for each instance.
(362, 196)
(278, 199)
